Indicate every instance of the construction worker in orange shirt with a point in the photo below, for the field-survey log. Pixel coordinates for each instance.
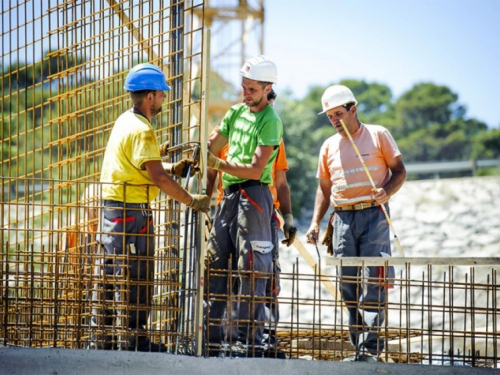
(359, 224)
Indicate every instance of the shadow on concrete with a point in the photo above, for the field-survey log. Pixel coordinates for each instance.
(66, 361)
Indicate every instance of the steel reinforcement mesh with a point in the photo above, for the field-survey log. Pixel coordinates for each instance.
(63, 66)
(435, 314)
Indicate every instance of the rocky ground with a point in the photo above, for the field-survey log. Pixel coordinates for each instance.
(449, 217)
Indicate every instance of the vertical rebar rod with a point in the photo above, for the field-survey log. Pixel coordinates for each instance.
(6, 291)
(293, 306)
(314, 306)
(473, 316)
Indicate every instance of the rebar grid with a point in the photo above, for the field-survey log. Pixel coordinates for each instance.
(63, 66)
(49, 293)
(434, 315)
(62, 89)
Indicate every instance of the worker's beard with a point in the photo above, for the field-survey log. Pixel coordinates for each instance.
(255, 103)
(155, 110)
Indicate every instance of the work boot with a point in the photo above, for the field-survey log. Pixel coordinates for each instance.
(269, 337)
(255, 352)
(236, 351)
(367, 358)
(145, 345)
(101, 343)
(350, 358)
(273, 352)
(361, 358)
(215, 351)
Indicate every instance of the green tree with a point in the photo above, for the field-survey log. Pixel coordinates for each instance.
(29, 110)
(430, 125)
(425, 104)
(486, 144)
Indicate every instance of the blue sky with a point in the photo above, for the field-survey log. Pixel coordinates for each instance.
(455, 43)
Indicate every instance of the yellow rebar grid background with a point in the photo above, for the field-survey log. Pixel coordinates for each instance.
(63, 66)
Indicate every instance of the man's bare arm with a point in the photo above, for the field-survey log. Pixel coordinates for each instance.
(321, 204)
(398, 177)
(283, 191)
(166, 183)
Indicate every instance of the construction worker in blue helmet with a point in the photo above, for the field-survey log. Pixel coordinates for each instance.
(132, 175)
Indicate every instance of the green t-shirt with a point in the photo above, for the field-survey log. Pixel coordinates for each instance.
(245, 131)
(132, 143)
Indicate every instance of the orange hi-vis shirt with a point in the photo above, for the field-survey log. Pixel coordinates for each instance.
(86, 230)
(280, 164)
(339, 163)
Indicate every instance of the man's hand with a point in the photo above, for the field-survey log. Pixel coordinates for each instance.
(181, 168)
(213, 161)
(312, 234)
(380, 195)
(164, 148)
(289, 230)
(200, 203)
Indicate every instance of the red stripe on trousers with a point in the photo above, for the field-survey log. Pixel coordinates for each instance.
(143, 230)
(121, 219)
(252, 202)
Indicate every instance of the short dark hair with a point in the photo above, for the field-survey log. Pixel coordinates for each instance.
(271, 95)
(138, 96)
(264, 84)
(348, 106)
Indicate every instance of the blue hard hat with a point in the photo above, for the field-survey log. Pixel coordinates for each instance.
(146, 77)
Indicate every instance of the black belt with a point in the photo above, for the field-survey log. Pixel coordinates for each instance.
(248, 183)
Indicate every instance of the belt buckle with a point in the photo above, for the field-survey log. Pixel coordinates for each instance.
(359, 206)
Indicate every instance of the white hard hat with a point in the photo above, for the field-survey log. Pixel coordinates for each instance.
(260, 68)
(335, 96)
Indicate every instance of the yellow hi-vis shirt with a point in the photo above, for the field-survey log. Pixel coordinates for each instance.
(131, 143)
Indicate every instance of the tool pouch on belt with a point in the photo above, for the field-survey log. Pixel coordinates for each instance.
(328, 237)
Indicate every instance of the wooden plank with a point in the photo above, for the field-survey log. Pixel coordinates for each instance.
(316, 343)
(315, 267)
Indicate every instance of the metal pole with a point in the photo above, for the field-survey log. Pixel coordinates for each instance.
(200, 280)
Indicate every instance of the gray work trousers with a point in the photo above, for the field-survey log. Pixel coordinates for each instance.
(128, 262)
(242, 217)
(273, 287)
(363, 233)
